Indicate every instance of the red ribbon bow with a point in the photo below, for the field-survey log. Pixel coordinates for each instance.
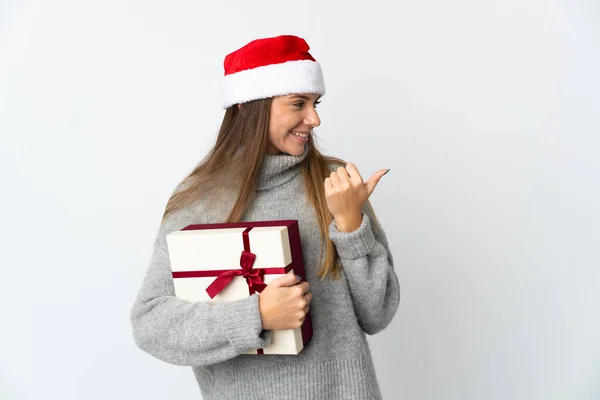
(254, 277)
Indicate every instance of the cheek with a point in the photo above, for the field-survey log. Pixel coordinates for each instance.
(273, 126)
(278, 128)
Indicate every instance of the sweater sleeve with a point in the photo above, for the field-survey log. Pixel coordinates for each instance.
(186, 333)
(369, 269)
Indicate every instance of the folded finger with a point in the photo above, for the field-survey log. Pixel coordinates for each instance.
(354, 174)
(335, 179)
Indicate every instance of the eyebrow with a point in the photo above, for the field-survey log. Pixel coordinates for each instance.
(302, 96)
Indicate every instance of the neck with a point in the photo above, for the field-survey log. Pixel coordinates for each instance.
(279, 168)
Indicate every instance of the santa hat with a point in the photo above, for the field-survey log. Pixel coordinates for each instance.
(270, 67)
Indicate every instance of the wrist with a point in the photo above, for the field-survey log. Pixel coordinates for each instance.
(348, 223)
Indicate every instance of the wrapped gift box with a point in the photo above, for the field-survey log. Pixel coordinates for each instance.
(230, 261)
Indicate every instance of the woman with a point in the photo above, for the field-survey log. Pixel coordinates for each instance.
(265, 166)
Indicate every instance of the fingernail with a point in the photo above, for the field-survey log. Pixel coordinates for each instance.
(386, 171)
(298, 277)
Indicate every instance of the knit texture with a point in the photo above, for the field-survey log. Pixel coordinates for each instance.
(336, 363)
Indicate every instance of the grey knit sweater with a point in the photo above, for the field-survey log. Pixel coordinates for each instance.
(336, 363)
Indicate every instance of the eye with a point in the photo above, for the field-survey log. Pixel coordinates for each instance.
(301, 104)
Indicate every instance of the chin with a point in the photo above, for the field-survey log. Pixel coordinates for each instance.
(295, 152)
(291, 150)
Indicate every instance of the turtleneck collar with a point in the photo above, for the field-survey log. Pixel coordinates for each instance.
(279, 168)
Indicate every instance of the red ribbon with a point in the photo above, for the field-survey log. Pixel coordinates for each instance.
(254, 277)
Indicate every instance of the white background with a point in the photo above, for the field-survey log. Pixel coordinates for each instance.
(486, 113)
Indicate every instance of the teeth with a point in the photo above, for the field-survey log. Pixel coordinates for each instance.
(302, 135)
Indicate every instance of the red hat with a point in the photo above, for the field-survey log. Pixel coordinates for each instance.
(270, 67)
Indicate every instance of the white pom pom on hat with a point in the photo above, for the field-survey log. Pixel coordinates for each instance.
(270, 67)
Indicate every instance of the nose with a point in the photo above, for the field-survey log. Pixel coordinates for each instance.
(312, 117)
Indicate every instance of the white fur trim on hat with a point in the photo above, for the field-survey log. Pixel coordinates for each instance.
(303, 76)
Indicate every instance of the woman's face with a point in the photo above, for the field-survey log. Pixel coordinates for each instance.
(292, 119)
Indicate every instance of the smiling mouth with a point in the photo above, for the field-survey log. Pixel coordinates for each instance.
(300, 135)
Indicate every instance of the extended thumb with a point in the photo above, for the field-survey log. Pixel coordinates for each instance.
(374, 180)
